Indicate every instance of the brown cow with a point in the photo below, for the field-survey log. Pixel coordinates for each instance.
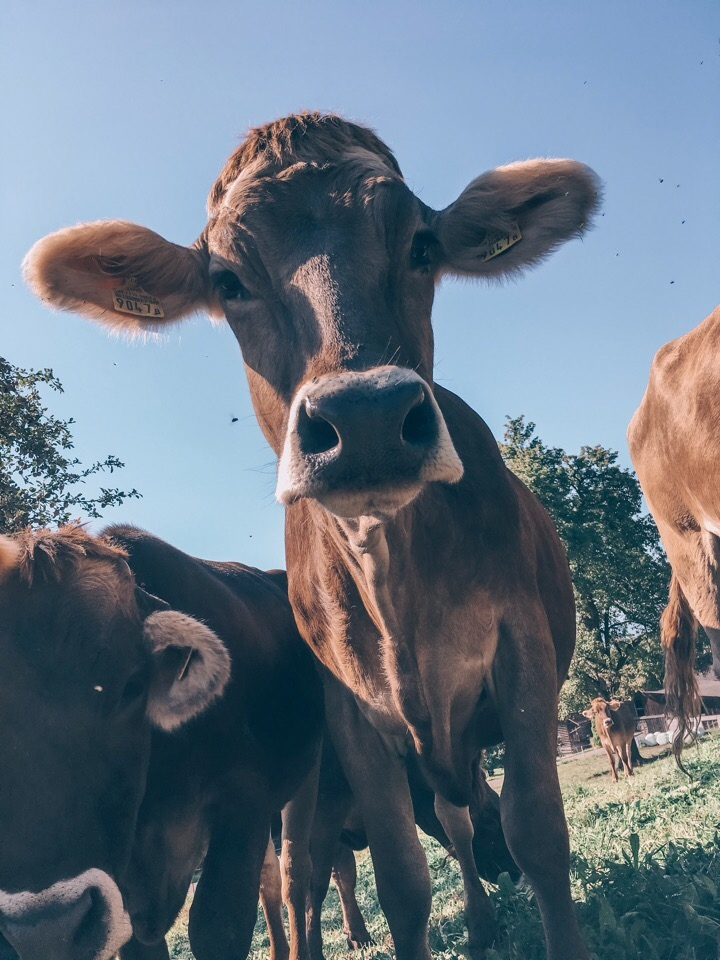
(143, 729)
(674, 440)
(427, 579)
(615, 725)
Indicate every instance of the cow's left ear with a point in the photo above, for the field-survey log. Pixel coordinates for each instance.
(588, 713)
(120, 274)
(191, 668)
(614, 704)
(514, 216)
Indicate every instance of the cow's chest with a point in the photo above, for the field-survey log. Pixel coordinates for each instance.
(416, 659)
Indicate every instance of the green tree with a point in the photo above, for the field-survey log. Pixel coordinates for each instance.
(620, 574)
(41, 482)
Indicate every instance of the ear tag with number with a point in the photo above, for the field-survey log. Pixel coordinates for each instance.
(133, 299)
(496, 246)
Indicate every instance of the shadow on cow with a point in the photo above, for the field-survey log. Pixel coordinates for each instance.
(156, 710)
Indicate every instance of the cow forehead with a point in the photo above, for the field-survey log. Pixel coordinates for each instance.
(294, 204)
(82, 614)
(353, 164)
(108, 587)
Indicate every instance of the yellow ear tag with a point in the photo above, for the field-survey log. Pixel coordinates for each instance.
(493, 248)
(133, 299)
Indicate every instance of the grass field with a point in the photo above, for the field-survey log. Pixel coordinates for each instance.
(645, 872)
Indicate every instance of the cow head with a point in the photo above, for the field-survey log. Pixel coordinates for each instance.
(324, 264)
(601, 711)
(90, 664)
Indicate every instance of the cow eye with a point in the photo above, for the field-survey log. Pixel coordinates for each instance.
(228, 285)
(421, 252)
(134, 688)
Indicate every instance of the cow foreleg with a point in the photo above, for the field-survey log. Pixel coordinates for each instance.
(271, 902)
(626, 756)
(297, 821)
(531, 803)
(344, 873)
(224, 911)
(333, 803)
(378, 778)
(479, 912)
(610, 751)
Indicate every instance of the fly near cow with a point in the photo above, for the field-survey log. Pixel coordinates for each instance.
(427, 579)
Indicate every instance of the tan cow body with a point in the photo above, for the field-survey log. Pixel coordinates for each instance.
(428, 580)
(674, 441)
(615, 725)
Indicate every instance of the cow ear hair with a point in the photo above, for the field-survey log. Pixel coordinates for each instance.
(589, 713)
(614, 704)
(191, 668)
(9, 555)
(119, 274)
(514, 216)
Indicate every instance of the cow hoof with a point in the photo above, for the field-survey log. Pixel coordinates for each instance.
(359, 942)
(478, 952)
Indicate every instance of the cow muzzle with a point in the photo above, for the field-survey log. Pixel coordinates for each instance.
(365, 444)
(77, 919)
(607, 723)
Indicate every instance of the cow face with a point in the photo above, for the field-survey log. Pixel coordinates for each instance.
(324, 264)
(90, 664)
(601, 711)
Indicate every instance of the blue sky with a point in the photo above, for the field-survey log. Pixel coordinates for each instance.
(129, 110)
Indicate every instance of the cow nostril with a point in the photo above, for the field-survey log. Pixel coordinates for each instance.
(316, 434)
(420, 424)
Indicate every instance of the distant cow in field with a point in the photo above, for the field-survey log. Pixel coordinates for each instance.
(428, 580)
(155, 710)
(615, 725)
(674, 440)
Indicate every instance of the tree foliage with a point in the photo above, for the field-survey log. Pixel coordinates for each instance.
(41, 482)
(620, 573)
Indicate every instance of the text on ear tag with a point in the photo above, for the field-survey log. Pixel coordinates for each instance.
(133, 299)
(496, 246)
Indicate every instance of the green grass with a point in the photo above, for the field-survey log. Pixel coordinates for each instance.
(645, 872)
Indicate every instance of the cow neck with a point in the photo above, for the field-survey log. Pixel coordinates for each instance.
(365, 548)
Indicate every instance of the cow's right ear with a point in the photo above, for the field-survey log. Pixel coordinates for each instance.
(9, 555)
(191, 668)
(119, 274)
(588, 713)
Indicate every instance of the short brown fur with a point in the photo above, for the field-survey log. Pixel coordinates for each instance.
(49, 554)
